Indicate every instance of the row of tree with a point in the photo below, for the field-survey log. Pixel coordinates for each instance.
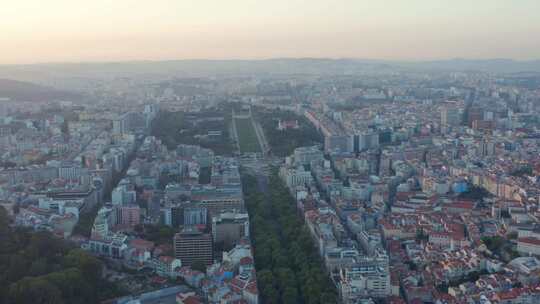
(289, 269)
(36, 267)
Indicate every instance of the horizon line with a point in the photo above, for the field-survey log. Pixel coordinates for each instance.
(82, 62)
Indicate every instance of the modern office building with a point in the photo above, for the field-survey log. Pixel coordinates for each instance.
(218, 199)
(192, 245)
(195, 216)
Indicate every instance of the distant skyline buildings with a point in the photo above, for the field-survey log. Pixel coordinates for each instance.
(122, 30)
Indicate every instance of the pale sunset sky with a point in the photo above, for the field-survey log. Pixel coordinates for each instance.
(34, 31)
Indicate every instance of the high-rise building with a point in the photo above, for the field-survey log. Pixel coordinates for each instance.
(123, 195)
(366, 141)
(172, 215)
(450, 117)
(120, 125)
(192, 245)
(177, 215)
(195, 216)
(130, 216)
(475, 113)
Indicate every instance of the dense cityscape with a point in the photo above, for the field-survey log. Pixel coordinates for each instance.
(270, 152)
(392, 186)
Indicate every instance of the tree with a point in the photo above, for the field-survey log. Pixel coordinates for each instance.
(283, 142)
(290, 295)
(328, 298)
(494, 243)
(35, 290)
(139, 228)
(44, 244)
(289, 270)
(39, 267)
(159, 234)
(525, 170)
(474, 193)
(271, 296)
(90, 267)
(265, 278)
(199, 266)
(17, 267)
(5, 235)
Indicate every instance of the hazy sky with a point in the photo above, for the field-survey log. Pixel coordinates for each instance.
(110, 30)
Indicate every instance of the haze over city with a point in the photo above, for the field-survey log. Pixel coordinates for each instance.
(269, 152)
(34, 31)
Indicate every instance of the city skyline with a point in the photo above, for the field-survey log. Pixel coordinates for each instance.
(101, 31)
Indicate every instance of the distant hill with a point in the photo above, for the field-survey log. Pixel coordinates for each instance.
(50, 73)
(27, 91)
(500, 65)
